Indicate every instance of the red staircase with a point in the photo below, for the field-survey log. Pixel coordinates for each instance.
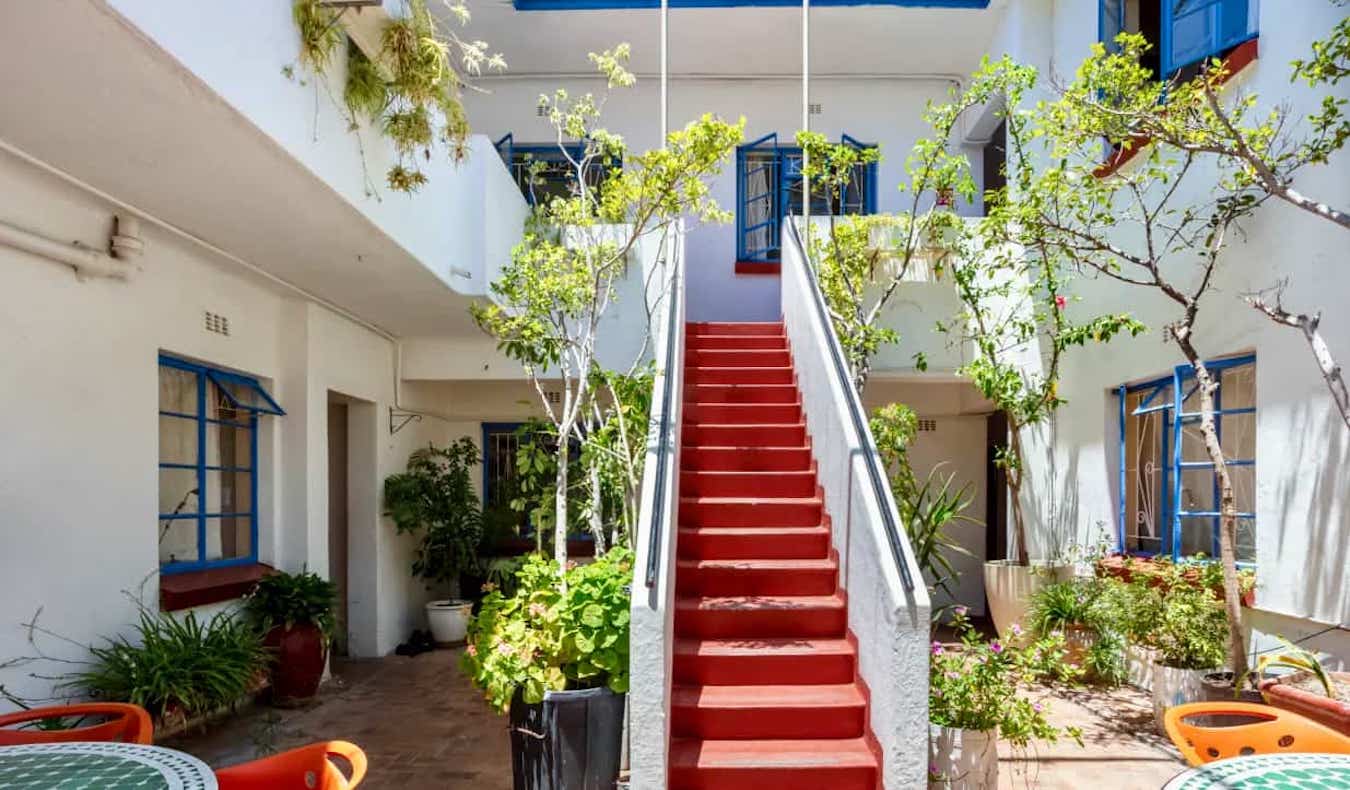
(766, 692)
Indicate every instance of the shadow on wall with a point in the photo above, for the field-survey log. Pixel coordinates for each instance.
(1311, 562)
(1052, 497)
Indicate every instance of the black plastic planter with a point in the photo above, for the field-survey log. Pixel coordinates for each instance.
(570, 741)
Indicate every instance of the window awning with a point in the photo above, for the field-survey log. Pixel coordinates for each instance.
(245, 393)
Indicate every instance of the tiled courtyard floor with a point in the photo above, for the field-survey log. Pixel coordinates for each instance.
(425, 728)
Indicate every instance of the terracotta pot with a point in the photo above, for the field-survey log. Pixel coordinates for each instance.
(1009, 588)
(1173, 686)
(1078, 640)
(298, 658)
(962, 759)
(1334, 713)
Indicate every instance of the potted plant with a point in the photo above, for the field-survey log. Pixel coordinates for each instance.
(555, 657)
(1311, 690)
(435, 500)
(295, 612)
(1189, 636)
(974, 700)
(1086, 613)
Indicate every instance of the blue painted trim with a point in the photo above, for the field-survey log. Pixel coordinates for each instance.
(204, 375)
(1216, 45)
(1120, 532)
(1172, 468)
(489, 428)
(600, 5)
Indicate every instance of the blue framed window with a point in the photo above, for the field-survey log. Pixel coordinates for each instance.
(543, 170)
(769, 188)
(208, 465)
(501, 440)
(1184, 32)
(1169, 494)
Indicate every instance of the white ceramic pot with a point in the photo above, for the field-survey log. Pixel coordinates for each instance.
(449, 620)
(1173, 686)
(1139, 666)
(1009, 588)
(962, 759)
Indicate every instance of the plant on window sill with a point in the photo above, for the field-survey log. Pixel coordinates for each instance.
(412, 92)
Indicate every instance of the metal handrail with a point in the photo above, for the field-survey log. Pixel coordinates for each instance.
(880, 487)
(663, 439)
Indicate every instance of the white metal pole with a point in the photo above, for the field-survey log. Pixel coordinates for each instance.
(665, 70)
(806, 115)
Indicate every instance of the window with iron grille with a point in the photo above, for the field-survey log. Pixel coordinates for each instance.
(544, 171)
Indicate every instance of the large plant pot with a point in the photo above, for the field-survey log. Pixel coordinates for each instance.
(1139, 666)
(962, 759)
(299, 654)
(449, 620)
(1334, 713)
(1009, 588)
(1219, 688)
(570, 741)
(1172, 686)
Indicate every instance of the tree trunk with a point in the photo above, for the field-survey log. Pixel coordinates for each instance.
(1237, 648)
(597, 511)
(560, 506)
(1012, 465)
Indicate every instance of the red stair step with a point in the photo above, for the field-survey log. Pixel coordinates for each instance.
(739, 375)
(711, 435)
(742, 543)
(743, 413)
(824, 764)
(737, 662)
(737, 358)
(769, 712)
(745, 459)
(735, 341)
(757, 577)
(770, 484)
(740, 393)
(734, 328)
(761, 616)
(750, 512)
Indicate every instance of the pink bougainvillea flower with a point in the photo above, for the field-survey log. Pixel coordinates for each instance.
(961, 611)
(538, 610)
(1016, 629)
(1037, 707)
(471, 650)
(505, 649)
(937, 648)
(1060, 301)
(996, 647)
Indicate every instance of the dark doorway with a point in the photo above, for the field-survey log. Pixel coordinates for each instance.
(995, 167)
(338, 516)
(996, 496)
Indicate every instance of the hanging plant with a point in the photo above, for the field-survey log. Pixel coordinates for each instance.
(412, 91)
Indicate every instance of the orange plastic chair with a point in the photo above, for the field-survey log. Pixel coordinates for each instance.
(1266, 730)
(122, 722)
(305, 768)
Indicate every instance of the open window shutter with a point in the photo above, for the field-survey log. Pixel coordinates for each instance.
(1193, 30)
(1110, 22)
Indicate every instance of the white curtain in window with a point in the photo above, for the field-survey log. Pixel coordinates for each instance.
(177, 445)
(757, 211)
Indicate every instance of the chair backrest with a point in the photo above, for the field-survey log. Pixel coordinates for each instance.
(1236, 729)
(306, 768)
(118, 722)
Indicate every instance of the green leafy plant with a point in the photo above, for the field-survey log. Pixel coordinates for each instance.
(290, 599)
(927, 509)
(613, 451)
(435, 500)
(1061, 605)
(320, 33)
(977, 686)
(1298, 659)
(1093, 606)
(1186, 625)
(553, 637)
(178, 665)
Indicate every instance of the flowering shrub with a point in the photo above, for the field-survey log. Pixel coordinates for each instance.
(974, 685)
(550, 636)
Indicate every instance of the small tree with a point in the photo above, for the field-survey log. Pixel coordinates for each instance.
(548, 301)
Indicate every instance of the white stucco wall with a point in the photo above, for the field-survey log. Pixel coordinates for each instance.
(79, 390)
(1303, 516)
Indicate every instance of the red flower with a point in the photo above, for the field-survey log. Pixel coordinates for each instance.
(1060, 301)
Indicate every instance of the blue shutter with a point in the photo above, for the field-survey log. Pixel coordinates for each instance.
(1110, 22)
(1193, 30)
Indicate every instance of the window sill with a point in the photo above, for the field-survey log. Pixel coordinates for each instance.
(759, 267)
(179, 591)
(1240, 58)
(1144, 567)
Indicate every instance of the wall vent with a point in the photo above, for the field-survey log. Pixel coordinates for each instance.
(927, 426)
(217, 323)
(813, 109)
(541, 110)
(554, 396)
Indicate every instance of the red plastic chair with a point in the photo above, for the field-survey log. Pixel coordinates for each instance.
(122, 722)
(1264, 730)
(305, 768)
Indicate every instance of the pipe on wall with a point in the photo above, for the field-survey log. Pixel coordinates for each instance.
(87, 262)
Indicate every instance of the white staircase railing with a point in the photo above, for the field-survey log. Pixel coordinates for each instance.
(888, 606)
(652, 629)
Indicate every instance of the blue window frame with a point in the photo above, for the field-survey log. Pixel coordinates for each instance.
(500, 442)
(208, 465)
(769, 188)
(1185, 32)
(543, 171)
(1169, 496)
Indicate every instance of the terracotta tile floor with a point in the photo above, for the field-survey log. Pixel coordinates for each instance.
(424, 727)
(420, 722)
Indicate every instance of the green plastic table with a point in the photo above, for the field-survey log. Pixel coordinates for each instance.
(1268, 772)
(101, 766)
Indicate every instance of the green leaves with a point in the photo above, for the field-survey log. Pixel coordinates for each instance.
(435, 500)
(288, 599)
